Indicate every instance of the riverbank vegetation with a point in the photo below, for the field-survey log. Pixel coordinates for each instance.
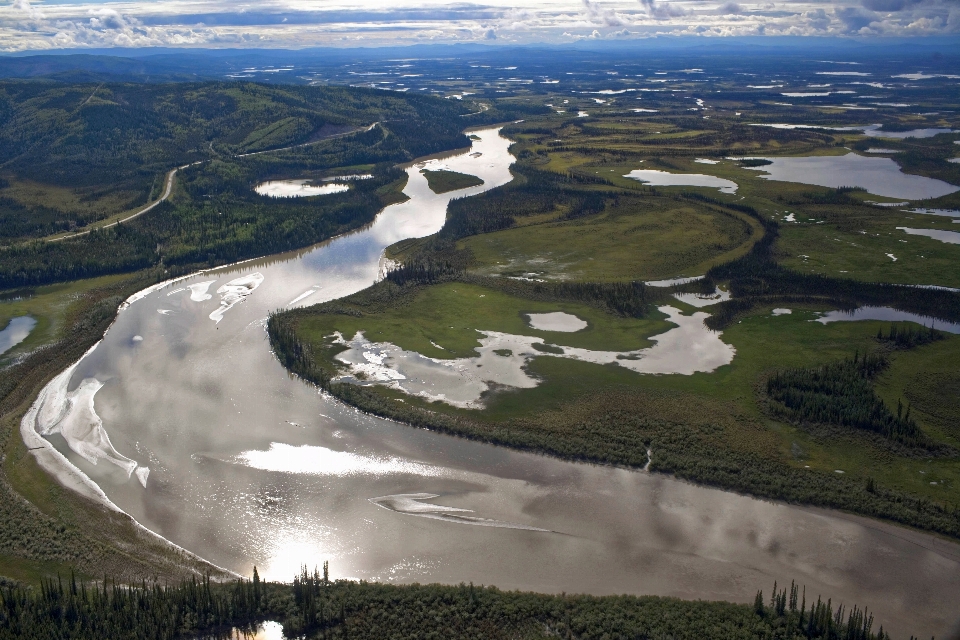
(314, 607)
(773, 423)
(571, 234)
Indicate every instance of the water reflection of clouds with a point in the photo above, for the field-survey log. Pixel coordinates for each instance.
(316, 460)
(226, 393)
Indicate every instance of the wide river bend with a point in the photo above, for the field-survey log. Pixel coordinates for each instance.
(207, 440)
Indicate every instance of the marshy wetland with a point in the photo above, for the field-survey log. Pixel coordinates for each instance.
(551, 361)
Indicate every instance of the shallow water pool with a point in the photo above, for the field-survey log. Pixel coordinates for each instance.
(879, 176)
(16, 332)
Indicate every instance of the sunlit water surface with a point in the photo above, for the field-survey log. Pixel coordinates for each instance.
(297, 189)
(879, 176)
(656, 178)
(16, 332)
(237, 461)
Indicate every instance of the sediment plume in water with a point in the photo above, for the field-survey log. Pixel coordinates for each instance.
(411, 504)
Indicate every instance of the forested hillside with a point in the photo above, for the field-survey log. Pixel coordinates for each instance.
(84, 135)
(78, 154)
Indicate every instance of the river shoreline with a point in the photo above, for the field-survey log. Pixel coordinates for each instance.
(186, 372)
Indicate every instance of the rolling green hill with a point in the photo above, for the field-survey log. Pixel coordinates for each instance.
(75, 157)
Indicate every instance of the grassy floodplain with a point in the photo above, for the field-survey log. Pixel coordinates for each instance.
(644, 239)
(50, 306)
(717, 427)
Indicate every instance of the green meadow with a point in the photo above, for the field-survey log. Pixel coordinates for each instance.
(715, 427)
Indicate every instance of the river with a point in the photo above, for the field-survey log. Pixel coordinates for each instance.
(208, 441)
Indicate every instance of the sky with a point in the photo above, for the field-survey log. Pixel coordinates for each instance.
(72, 24)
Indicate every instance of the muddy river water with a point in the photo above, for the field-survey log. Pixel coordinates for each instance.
(206, 440)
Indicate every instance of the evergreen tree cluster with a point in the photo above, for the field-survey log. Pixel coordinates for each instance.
(906, 336)
(82, 611)
(821, 620)
(841, 393)
(315, 607)
(292, 352)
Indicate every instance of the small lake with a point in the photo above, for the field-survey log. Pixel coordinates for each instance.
(657, 178)
(871, 130)
(887, 314)
(16, 332)
(879, 176)
(672, 281)
(876, 132)
(556, 321)
(297, 189)
(950, 237)
(949, 213)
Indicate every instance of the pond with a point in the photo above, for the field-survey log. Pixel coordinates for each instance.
(656, 178)
(876, 132)
(556, 321)
(950, 237)
(502, 359)
(298, 189)
(889, 314)
(949, 213)
(871, 130)
(879, 176)
(244, 464)
(15, 332)
(264, 631)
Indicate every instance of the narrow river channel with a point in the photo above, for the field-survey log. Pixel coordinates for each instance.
(215, 447)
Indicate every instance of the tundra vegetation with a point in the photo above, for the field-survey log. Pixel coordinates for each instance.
(800, 401)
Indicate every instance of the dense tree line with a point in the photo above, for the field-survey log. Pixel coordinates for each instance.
(905, 336)
(314, 606)
(841, 393)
